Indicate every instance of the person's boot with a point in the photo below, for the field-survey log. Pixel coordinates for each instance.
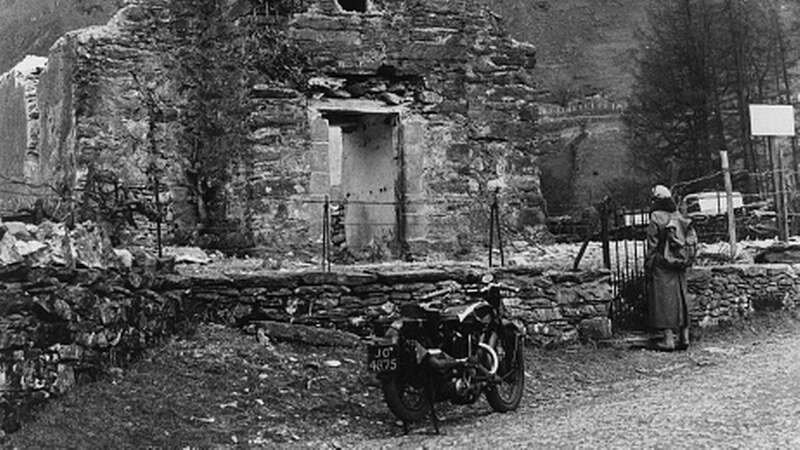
(683, 339)
(668, 342)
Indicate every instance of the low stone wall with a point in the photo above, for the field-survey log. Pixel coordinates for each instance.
(58, 327)
(552, 305)
(725, 294)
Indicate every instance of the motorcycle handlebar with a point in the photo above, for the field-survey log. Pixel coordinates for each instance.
(449, 290)
(436, 293)
(503, 286)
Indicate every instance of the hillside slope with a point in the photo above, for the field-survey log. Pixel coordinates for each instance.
(585, 46)
(32, 26)
(589, 46)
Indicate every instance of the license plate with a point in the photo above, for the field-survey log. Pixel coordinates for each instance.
(382, 358)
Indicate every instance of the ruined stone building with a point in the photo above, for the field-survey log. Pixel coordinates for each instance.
(585, 156)
(19, 134)
(413, 114)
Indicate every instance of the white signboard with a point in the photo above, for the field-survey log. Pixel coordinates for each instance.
(772, 120)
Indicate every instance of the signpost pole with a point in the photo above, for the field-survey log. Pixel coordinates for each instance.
(783, 194)
(776, 185)
(771, 121)
(726, 173)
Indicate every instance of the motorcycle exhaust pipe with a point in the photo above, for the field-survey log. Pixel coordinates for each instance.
(495, 359)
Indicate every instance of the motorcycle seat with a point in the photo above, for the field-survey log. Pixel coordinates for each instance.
(415, 311)
(461, 312)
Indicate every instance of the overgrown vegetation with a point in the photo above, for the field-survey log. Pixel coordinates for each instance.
(215, 59)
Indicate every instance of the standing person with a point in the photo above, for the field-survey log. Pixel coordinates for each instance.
(666, 283)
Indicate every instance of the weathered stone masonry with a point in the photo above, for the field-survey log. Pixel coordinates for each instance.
(91, 101)
(414, 113)
(725, 294)
(459, 103)
(553, 305)
(59, 327)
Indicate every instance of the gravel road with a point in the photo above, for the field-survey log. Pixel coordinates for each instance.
(749, 398)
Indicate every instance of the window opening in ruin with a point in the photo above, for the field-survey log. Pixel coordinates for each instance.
(353, 5)
(363, 164)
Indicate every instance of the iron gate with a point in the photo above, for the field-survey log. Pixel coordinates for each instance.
(626, 242)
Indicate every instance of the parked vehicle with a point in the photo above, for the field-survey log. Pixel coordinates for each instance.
(453, 354)
(701, 204)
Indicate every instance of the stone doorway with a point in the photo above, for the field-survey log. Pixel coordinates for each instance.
(365, 168)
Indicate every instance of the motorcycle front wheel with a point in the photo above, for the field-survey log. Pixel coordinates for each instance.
(406, 401)
(507, 395)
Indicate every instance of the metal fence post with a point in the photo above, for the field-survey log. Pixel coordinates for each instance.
(604, 211)
(494, 223)
(326, 238)
(491, 232)
(499, 229)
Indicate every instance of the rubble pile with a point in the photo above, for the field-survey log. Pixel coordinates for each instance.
(561, 256)
(49, 244)
(59, 325)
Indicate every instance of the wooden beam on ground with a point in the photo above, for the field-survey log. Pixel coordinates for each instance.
(324, 337)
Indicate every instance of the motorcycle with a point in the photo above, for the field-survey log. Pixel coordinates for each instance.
(430, 355)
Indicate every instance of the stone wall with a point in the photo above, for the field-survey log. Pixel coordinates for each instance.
(552, 305)
(59, 327)
(725, 294)
(19, 134)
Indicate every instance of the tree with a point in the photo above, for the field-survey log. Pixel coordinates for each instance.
(701, 62)
(211, 97)
(216, 51)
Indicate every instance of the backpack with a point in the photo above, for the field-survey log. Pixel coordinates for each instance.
(680, 242)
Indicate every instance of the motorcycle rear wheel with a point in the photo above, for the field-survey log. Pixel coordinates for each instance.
(407, 402)
(507, 395)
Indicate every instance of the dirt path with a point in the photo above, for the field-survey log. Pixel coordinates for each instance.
(742, 396)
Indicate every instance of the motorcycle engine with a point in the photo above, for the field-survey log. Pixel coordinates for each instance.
(464, 391)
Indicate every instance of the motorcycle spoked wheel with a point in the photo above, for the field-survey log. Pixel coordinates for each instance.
(507, 395)
(405, 400)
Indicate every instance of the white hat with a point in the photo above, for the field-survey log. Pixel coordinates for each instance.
(661, 191)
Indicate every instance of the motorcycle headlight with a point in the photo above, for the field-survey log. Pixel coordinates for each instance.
(392, 335)
(420, 352)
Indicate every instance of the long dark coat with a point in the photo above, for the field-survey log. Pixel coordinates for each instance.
(666, 287)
